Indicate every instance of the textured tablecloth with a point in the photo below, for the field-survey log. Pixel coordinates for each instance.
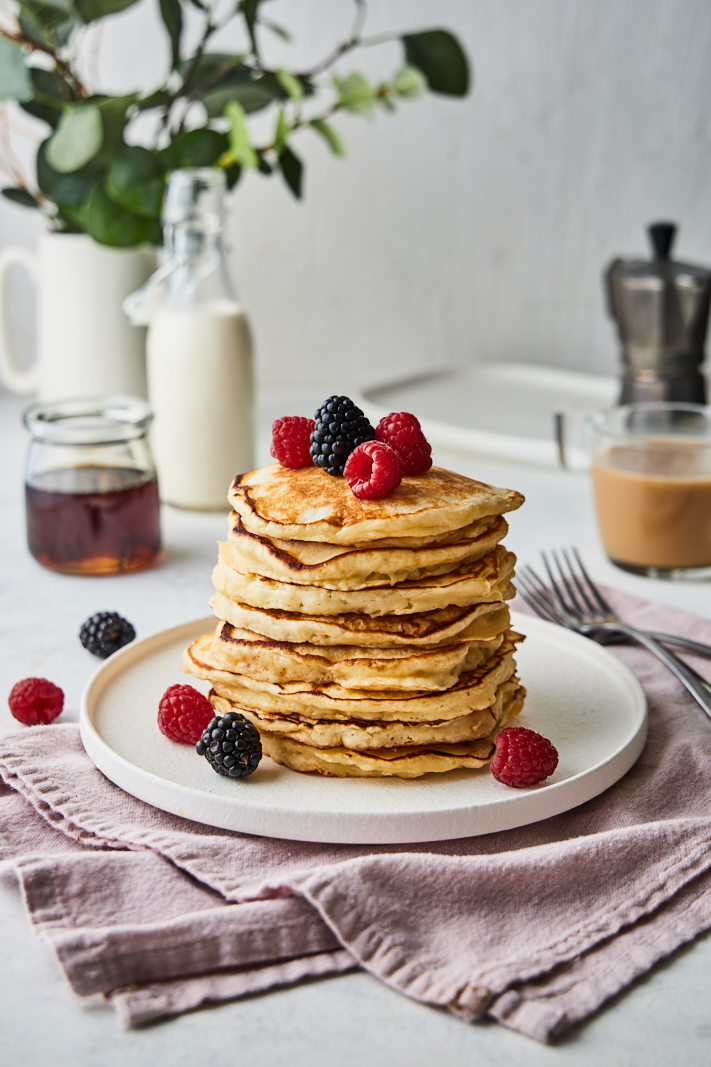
(535, 927)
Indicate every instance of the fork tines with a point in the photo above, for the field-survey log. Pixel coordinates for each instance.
(571, 596)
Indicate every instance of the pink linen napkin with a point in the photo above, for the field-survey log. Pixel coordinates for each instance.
(535, 927)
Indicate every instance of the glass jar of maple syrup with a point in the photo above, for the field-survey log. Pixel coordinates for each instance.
(91, 492)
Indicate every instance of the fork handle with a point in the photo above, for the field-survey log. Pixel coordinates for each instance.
(684, 643)
(699, 688)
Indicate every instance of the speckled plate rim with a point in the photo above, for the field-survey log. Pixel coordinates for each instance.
(512, 809)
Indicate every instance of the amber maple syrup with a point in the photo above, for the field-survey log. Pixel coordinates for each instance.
(93, 520)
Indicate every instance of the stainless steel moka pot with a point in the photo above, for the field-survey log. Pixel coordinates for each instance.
(661, 309)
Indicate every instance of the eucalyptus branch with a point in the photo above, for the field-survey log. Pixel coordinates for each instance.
(352, 42)
(61, 66)
(9, 161)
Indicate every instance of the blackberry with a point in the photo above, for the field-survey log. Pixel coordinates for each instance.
(340, 427)
(105, 632)
(231, 745)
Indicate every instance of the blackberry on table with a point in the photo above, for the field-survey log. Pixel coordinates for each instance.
(339, 428)
(231, 745)
(105, 633)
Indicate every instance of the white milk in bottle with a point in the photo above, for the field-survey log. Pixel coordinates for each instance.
(199, 353)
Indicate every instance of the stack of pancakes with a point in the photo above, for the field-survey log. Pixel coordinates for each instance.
(364, 637)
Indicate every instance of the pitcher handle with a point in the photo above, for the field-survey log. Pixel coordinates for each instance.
(11, 374)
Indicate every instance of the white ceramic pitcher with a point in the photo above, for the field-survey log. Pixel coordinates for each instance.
(85, 343)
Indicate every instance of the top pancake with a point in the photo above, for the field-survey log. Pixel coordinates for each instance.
(309, 505)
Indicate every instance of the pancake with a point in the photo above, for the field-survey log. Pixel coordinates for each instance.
(244, 652)
(483, 580)
(358, 734)
(420, 629)
(408, 762)
(310, 505)
(338, 567)
(473, 691)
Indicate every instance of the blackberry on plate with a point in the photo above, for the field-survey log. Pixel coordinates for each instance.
(105, 633)
(231, 745)
(339, 428)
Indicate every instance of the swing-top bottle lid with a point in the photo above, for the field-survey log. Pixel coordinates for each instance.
(196, 193)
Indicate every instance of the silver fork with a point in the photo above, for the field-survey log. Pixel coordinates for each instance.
(573, 600)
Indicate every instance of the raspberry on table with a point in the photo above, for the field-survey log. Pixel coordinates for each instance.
(373, 470)
(291, 441)
(183, 714)
(231, 745)
(523, 757)
(403, 432)
(35, 701)
(105, 633)
(339, 428)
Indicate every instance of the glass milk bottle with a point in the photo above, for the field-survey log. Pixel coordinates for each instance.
(199, 351)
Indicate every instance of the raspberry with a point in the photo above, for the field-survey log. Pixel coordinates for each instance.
(403, 433)
(522, 757)
(183, 714)
(291, 441)
(373, 469)
(35, 700)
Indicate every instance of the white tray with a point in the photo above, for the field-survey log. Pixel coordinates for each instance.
(579, 696)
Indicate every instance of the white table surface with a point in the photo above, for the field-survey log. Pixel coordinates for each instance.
(663, 1019)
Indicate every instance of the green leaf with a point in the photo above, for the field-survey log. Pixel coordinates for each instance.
(291, 85)
(292, 170)
(282, 131)
(21, 196)
(71, 219)
(355, 93)
(264, 167)
(77, 139)
(15, 81)
(159, 98)
(329, 135)
(66, 189)
(210, 66)
(194, 148)
(249, 9)
(110, 224)
(97, 9)
(136, 181)
(45, 24)
(410, 82)
(251, 96)
(172, 15)
(240, 148)
(441, 58)
(233, 175)
(48, 84)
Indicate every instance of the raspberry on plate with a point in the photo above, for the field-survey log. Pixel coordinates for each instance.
(35, 701)
(372, 470)
(291, 441)
(183, 714)
(403, 432)
(523, 757)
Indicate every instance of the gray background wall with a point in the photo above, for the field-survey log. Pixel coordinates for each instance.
(472, 230)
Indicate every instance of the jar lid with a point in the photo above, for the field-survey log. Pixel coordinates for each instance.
(91, 420)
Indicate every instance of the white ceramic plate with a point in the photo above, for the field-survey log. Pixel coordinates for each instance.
(579, 695)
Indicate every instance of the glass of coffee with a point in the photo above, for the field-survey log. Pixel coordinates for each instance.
(91, 493)
(651, 471)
